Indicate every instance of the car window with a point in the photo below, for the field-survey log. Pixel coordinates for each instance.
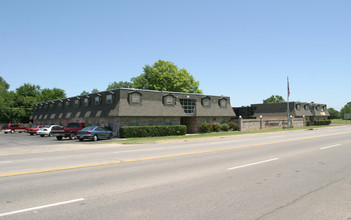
(88, 128)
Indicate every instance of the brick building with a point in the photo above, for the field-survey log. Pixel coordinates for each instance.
(135, 107)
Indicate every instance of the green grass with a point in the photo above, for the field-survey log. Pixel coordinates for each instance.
(207, 135)
(340, 121)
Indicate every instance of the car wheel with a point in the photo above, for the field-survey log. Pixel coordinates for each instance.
(81, 139)
(12, 131)
(42, 135)
(110, 136)
(95, 138)
(50, 135)
(58, 138)
(31, 133)
(72, 136)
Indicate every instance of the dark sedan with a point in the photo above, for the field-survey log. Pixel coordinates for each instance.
(95, 133)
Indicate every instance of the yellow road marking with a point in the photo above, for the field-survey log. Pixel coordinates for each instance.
(161, 157)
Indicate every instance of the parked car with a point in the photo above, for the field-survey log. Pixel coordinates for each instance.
(95, 133)
(69, 131)
(13, 127)
(46, 130)
(33, 130)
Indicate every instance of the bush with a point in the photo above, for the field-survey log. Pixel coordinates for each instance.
(325, 122)
(205, 127)
(225, 127)
(216, 126)
(151, 131)
(308, 123)
(233, 126)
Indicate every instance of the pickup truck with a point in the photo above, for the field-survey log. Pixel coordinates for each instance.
(69, 131)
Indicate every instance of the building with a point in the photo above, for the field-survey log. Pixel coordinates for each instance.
(134, 107)
(308, 111)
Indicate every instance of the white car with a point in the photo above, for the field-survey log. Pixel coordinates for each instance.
(46, 130)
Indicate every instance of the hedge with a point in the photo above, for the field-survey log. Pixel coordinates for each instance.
(151, 131)
(326, 122)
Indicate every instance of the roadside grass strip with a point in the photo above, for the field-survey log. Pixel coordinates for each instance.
(162, 157)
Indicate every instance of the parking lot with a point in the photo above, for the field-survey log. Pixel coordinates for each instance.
(23, 143)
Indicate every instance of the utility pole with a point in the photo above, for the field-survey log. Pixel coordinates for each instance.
(288, 110)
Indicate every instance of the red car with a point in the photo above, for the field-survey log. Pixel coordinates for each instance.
(34, 129)
(12, 127)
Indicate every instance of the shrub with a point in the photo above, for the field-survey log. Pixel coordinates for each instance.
(205, 127)
(325, 122)
(216, 126)
(225, 127)
(233, 126)
(308, 123)
(151, 131)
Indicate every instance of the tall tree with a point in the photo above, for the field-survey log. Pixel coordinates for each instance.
(165, 76)
(333, 113)
(52, 94)
(120, 84)
(274, 99)
(345, 110)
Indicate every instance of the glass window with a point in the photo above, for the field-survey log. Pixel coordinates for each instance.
(135, 98)
(97, 100)
(306, 107)
(67, 104)
(169, 100)
(188, 106)
(59, 105)
(206, 102)
(298, 106)
(223, 103)
(76, 103)
(86, 101)
(109, 99)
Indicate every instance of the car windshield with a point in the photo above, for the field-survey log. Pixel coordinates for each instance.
(48, 126)
(88, 128)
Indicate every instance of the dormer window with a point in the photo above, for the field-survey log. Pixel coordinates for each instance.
(134, 98)
(86, 102)
(223, 103)
(109, 99)
(168, 100)
(206, 102)
(59, 105)
(97, 100)
(76, 103)
(298, 106)
(67, 104)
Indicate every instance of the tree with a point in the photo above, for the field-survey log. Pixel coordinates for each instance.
(28, 89)
(333, 113)
(120, 84)
(52, 94)
(165, 76)
(345, 110)
(92, 91)
(274, 99)
(4, 86)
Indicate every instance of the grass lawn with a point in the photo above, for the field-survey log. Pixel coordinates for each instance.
(207, 135)
(340, 121)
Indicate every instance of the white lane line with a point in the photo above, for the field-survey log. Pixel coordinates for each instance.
(41, 207)
(251, 164)
(5, 161)
(336, 145)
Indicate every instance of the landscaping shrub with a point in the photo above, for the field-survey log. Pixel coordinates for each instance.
(205, 127)
(225, 127)
(325, 122)
(233, 126)
(216, 126)
(308, 123)
(151, 131)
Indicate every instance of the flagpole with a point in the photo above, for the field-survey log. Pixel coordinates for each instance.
(288, 94)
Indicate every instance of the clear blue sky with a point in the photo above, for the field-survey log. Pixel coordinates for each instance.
(244, 49)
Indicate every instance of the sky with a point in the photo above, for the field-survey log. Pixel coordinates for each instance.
(244, 49)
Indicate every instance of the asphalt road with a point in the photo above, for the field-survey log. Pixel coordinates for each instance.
(286, 175)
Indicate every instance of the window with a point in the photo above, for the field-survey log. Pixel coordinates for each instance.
(109, 99)
(135, 98)
(306, 107)
(86, 102)
(40, 107)
(188, 106)
(169, 100)
(67, 104)
(318, 107)
(59, 105)
(206, 102)
(298, 106)
(45, 106)
(97, 100)
(76, 103)
(223, 103)
(51, 106)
